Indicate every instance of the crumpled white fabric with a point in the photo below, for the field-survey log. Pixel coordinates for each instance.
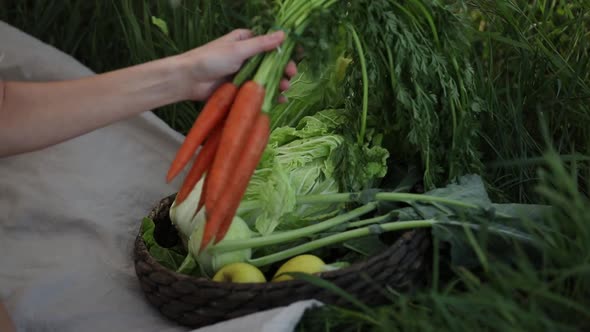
(69, 215)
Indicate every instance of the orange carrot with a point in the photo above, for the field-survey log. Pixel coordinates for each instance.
(247, 106)
(223, 212)
(216, 108)
(249, 160)
(200, 165)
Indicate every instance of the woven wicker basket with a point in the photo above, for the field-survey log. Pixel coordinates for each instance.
(197, 302)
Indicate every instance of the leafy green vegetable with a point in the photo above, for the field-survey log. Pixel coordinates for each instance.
(305, 160)
(309, 93)
(189, 266)
(167, 257)
(492, 225)
(467, 189)
(171, 258)
(417, 82)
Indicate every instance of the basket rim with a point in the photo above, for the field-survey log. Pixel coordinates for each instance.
(141, 253)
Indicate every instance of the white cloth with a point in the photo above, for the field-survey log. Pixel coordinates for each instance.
(69, 215)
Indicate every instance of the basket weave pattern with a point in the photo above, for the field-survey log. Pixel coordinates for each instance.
(197, 302)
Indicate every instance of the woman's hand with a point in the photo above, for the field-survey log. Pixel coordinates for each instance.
(217, 61)
(52, 112)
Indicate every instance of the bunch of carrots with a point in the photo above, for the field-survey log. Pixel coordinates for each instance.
(234, 126)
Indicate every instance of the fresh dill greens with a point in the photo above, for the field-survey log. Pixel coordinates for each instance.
(421, 87)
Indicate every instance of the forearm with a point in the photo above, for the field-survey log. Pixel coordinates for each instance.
(37, 115)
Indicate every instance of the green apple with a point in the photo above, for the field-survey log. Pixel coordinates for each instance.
(239, 272)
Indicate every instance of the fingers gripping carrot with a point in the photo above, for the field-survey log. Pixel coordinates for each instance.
(223, 212)
(247, 106)
(212, 114)
(201, 164)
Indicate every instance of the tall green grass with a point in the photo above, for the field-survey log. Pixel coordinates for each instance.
(87, 30)
(533, 65)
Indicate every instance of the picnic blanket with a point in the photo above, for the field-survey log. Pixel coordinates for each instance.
(69, 215)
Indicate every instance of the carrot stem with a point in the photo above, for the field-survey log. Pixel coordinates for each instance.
(246, 72)
(294, 17)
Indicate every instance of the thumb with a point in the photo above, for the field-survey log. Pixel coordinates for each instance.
(250, 47)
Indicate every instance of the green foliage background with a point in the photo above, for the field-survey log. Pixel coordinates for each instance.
(522, 121)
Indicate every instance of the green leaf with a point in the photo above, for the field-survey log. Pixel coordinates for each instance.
(308, 159)
(171, 258)
(167, 257)
(147, 228)
(189, 266)
(467, 189)
(271, 190)
(473, 233)
(161, 24)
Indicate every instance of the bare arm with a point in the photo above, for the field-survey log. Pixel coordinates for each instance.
(36, 115)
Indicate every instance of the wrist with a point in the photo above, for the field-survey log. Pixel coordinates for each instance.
(192, 78)
(177, 77)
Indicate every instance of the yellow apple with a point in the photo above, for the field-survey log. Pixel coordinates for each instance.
(239, 273)
(309, 264)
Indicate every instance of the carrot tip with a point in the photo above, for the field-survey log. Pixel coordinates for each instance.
(172, 173)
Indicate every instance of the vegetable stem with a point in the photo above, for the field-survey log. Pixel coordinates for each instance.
(337, 238)
(246, 72)
(291, 235)
(374, 220)
(365, 76)
(326, 198)
(372, 229)
(406, 197)
(381, 196)
(293, 17)
(388, 197)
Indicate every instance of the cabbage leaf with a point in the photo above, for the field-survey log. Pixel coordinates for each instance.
(308, 159)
